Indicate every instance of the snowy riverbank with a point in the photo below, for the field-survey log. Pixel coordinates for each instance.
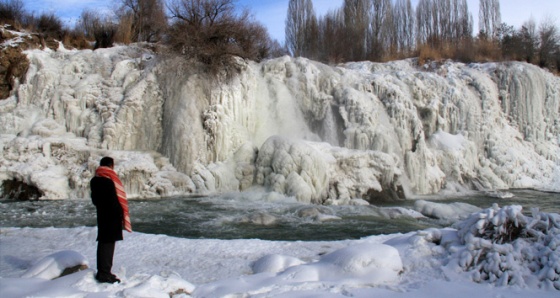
(434, 262)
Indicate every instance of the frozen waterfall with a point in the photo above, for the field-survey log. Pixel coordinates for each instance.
(319, 133)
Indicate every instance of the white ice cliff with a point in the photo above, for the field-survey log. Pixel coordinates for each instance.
(323, 134)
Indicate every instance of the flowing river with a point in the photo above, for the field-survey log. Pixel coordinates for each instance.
(255, 215)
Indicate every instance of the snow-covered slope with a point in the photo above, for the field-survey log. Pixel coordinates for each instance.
(316, 132)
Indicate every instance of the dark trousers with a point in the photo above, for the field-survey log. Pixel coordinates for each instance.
(105, 251)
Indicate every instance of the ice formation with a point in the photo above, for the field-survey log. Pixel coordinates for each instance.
(323, 134)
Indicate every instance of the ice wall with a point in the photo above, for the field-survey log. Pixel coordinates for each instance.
(323, 134)
(75, 107)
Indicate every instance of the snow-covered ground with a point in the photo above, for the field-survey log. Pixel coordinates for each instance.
(497, 252)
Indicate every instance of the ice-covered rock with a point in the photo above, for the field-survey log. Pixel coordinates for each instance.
(320, 173)
(449, 212)
(294, 168)
(260, 218)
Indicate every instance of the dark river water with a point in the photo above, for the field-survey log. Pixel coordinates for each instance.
(258, 216)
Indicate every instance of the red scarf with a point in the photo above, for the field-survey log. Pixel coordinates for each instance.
(109, 173)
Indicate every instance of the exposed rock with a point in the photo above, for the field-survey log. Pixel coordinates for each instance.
(13, 62)
(74, 269)
(387, 194)
(179, 292)
(263, 219)
(20, 191)
(13, 66)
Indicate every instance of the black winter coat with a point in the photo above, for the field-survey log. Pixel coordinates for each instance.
(109, 210)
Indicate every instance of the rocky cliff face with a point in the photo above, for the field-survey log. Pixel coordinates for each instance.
(316, 132)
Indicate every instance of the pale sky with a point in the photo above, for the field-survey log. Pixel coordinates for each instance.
(272, 13)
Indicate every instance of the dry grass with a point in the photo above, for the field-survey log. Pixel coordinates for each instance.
(427, 54)
(124, 30)
(465, 51)
(75, 40)
(487, 50)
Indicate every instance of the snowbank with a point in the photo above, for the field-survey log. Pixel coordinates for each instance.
(53, 266)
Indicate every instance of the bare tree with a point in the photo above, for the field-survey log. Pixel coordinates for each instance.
(331, 32)
(557, 59)
(455, 22)
(443, 22)
(89, 20)
(444, 27)
(489, 18)
(464, 21)
(424, 21)
(404, 23)
(529, 40)
(380, 22)
(101, 28)
(201, 27)
(301, 28)
(212, 31)
(104, 34)
(12, 12)
(50, 25)
(510, 42)
(275, 49)
(148, 19)
(549, 43)
(357, 24)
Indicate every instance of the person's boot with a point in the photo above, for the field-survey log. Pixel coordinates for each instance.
(107, 278)
(115, 278)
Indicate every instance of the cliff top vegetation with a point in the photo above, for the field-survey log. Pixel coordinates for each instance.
(211, 32)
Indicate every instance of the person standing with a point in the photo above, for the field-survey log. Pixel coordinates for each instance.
(109, 198)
